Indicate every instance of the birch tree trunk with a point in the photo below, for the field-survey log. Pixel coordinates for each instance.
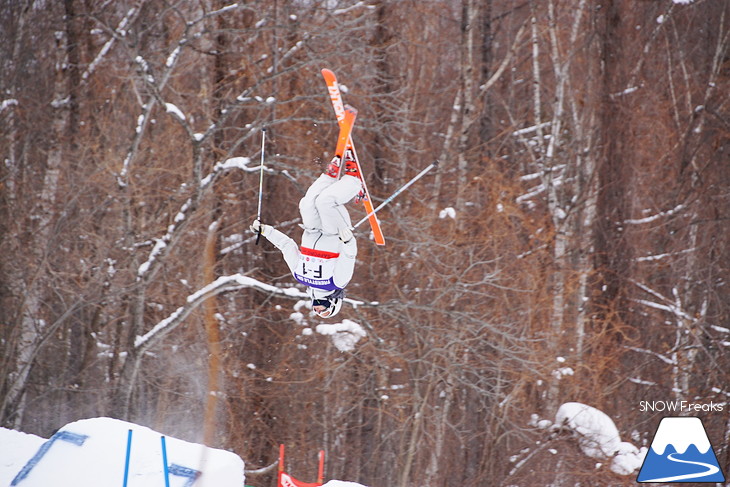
(33, 327)
(467, 73)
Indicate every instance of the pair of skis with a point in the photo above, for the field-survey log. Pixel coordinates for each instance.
(346, 156)
(345, 151)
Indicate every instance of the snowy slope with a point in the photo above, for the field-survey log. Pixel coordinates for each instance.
(16, 449)
(93, 452)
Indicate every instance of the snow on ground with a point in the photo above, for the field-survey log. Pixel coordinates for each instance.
(93, 453)
(16, 449)
(599, 438)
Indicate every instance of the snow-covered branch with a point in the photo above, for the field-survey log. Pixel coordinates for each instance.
(530, 129)
(222, 284)
(663, 358)
(161, 244)
(664, 307)
(120, 31)
(661, 214)
(359, 4)
(649, 258)
(158, 85)
(671, 307)
(8, 103)
(292, 50)
(174, 110)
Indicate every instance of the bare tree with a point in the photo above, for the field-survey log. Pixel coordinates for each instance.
(571, 245)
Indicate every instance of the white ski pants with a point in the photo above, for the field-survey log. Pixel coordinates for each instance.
(323, 207)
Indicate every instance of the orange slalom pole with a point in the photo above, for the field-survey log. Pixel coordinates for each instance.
(281, 464)
(320, 475)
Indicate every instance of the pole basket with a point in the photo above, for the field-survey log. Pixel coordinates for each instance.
(286, 480)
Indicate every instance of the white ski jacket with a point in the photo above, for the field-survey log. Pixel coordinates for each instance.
(323, 262)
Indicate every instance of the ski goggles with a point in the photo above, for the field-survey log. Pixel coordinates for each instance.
(325, 303)
(322, 302)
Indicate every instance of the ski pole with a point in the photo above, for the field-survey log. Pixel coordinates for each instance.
(261, 183)
(399, 191)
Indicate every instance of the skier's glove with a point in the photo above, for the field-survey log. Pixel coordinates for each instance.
(257, 227)
(346, 235)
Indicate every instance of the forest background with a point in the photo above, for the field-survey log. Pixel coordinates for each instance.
(573, 245)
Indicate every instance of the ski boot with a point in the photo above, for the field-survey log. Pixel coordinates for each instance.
(351, 166)
(333, 169)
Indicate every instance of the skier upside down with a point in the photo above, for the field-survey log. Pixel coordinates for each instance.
(325, 261)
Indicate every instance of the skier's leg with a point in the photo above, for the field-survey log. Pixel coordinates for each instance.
(331, 202)
(308, 208)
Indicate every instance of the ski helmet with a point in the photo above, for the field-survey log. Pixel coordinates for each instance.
(332, 303)
(332, 307)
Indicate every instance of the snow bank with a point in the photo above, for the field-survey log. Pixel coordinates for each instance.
(597, 434)
(628, 458)
(16, 449)
(599, 438)
(92, 452)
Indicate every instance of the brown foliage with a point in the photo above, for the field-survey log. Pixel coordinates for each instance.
(583, 153)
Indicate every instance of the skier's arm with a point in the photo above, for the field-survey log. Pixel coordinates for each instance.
(288, 247)
(345, 267)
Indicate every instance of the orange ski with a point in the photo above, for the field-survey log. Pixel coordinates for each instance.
(341, 110)
(348, 120)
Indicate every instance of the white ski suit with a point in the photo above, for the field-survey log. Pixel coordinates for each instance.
(323, 262)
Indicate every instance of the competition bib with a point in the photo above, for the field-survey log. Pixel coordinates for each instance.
(316, 268)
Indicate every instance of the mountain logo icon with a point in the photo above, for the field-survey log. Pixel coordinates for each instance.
(680, 452)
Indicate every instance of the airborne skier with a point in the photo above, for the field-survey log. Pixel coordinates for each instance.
(325, 261)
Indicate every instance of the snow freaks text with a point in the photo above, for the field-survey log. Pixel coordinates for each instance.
(680, 406)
